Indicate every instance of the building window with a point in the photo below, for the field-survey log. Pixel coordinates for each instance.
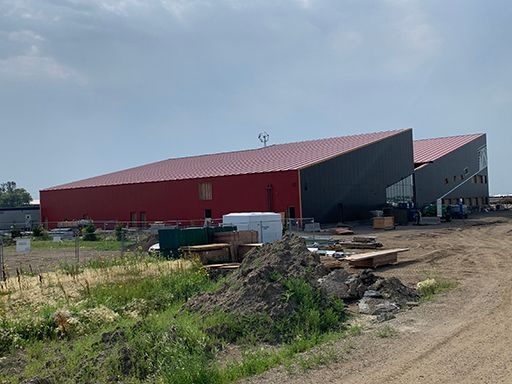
(462, 177)
(143, 219)
(401, 192)
(205, 191)
(133, 219)
(446, 181)
(475, 179)
(481, 179)
(485, 179)
(454, 178)
(482, 158)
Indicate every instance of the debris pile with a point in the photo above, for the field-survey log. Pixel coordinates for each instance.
(257, 286)
(376, 294)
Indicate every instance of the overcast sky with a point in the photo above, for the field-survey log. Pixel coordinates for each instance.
(93, 86)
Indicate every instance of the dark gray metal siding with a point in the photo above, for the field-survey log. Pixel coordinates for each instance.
(349, 186)
(430, 180)
(17, 217)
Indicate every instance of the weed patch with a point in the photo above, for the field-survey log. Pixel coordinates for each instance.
(387, 331)
(432, 286)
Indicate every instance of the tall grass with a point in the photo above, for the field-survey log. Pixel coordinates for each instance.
(136, 329)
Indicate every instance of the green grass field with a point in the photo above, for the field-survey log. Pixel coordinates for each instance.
(127, 322)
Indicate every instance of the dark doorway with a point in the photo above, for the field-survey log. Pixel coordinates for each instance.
(340, 212)
(270, 203)
(291, 213)
(208, 213)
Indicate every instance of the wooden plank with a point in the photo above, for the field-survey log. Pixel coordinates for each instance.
(375, 259)
(376, 253)
(205, 247)
(364, 239)
(223, 266)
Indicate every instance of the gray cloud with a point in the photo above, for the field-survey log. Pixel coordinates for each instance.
(111, 84)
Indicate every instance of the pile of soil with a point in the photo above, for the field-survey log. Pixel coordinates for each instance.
(257, 286)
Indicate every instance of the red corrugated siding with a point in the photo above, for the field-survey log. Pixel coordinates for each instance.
(173, 200)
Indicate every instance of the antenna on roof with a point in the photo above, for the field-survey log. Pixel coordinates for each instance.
(263, 136)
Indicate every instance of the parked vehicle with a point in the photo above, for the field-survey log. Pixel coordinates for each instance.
(459, 211)
(63, 233)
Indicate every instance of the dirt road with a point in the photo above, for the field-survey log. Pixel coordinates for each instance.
(463, 336)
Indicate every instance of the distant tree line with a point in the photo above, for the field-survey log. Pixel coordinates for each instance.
(12, 196)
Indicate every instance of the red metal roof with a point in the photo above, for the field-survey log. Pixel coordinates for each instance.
(274, 158)
(428, 150)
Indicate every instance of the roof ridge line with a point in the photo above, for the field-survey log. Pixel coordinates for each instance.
(450, 137)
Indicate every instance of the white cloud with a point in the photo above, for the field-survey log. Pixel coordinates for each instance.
(305, 3)
(416, 40)
(120, 7)
(24, 36)
(37, 67)
(29, 62)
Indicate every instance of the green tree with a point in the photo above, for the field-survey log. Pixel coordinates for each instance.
(12, 196)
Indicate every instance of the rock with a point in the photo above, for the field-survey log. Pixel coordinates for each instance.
(114, 337)
(342, 285)
(386, 316)
(37, 380)
(367, 277)
(376, 306)
(394, 290)
(125, 360)
(372, 293)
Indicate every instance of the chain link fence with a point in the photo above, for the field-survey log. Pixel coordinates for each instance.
(58, 245)
(51, 250)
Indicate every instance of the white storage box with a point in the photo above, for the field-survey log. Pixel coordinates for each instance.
(268, 224)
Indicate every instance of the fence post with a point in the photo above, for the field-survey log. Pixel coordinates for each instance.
(2, 269)
(77, 247)
(122, 241)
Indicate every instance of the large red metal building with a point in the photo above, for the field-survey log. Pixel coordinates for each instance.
(330, 180)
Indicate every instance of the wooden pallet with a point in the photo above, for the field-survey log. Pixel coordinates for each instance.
(375, 259)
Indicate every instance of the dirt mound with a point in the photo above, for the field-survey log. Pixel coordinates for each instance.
(258, 285)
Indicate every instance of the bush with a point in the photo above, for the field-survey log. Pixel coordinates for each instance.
(40, 233)
(15, 232)
(90, 233)
(119, 230)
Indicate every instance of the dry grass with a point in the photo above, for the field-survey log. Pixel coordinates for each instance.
(23, 292)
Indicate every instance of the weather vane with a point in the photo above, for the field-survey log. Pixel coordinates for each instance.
(263, 136)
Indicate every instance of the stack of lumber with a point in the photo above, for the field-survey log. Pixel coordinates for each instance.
(358, 242)
(375, 259)
(235, 239)
(210, 253)
(342, 231)
(223, 266)
(385, 222)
